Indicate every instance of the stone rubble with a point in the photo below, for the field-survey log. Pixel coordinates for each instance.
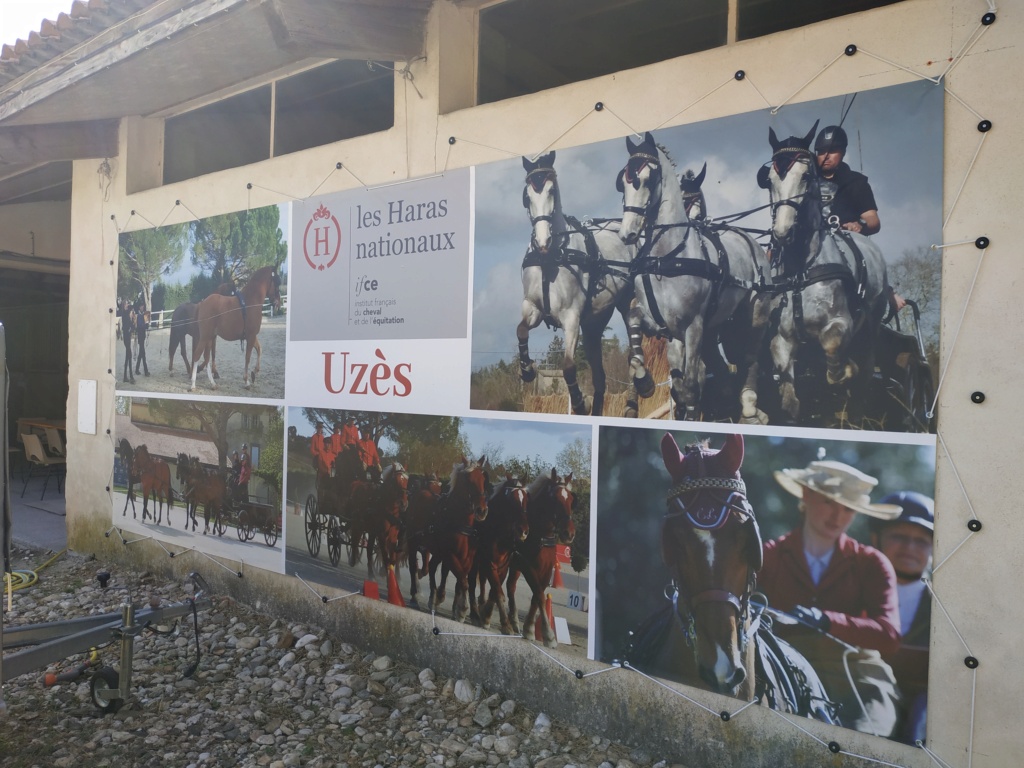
(267, 693)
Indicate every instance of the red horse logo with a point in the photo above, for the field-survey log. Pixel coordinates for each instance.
(321, 242)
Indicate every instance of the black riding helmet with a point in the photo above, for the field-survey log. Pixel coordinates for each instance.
(831, 139)
(916, 508)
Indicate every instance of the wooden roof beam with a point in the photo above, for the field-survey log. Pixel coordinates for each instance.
(26, 145)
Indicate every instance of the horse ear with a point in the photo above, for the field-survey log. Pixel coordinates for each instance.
(528, 164)
(755, 550)
(546, 160)
(810, 136)
(762, 177)
(700, 176)
(730, 458)
(649, 141)
(631, 146)
(671, 455)
(773, 139)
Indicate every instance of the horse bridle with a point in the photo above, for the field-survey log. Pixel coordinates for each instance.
(783, 161)
(708, 518)
(536, 179)
(630, 175)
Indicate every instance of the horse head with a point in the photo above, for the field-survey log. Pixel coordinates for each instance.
(181, 467)
(469, 485)
(640, 184)
(792, 180)
(693, 197)
(551, 503)
(712, 547)
(274, 288)
(541, 200)
(511, 498)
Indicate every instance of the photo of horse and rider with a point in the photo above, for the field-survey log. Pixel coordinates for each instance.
(775, 568)
(201, 475)
(183, 287)
(762, 268)
(501, 506)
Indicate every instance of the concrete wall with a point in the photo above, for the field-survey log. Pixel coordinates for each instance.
(971, 713)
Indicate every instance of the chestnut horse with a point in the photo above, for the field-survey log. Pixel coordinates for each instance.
(710, 633)
(155, 476)
(183, 323)
(235, 318)
(505, 528)
(127, 456)
(454, 541)
(200, 486)
(424, 505)
(376, 511)
(550, 518)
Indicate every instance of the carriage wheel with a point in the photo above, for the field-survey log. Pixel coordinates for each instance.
(313, 528)
(270, 533)
(921, 392)
(219, 526)
(334, 540)
(244, 528)
(355, 552)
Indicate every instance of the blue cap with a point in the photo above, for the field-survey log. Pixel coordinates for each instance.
(917, 508)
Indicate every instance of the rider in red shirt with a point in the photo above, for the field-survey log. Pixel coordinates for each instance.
(370, 457)
(321, 455)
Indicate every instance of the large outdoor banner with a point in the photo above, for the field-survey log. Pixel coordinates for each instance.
(664, 401)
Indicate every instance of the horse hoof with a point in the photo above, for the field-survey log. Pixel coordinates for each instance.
(632, 410)
(644, 385)
(580, 409)
(527, 373)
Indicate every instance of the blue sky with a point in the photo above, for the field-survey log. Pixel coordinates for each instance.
(896, 137)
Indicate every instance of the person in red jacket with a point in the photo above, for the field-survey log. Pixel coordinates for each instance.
(841, 593)
(321, 455)
(371, 459)
(350, 433)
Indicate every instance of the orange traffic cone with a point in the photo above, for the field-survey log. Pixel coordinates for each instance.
(371, 590)
(394, 593)
(557, 582)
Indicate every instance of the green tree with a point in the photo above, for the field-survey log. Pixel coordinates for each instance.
(229, 248)
(146, 255)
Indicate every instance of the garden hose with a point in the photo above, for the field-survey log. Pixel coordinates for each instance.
(21, 579)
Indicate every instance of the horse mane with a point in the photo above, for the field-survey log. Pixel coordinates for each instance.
(539, 485)
(664, 150)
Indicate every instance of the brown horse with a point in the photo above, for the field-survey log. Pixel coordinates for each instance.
(707, 634)
(375, 511)
(200, 486)
(235, 318)
(550, 517)
(127, 456)
(454, 541)
(506, 527)
(183, 323)
(424, 506)
(155, 476)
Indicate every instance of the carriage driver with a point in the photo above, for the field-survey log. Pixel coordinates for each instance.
(845, 193)
(370, 457)
(321, 456)
(907, 542)
(841, 592)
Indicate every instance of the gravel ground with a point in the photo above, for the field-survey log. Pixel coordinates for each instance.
(267, 693)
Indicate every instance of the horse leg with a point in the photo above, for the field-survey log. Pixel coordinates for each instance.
(460, 607)
(245, 372)
(835, 338)
(213, 358)
(442, 587)
(531, 319)
(592, 351)
(432, 601)
(259, 356)
(642, 380)
(783, 351)
(572, 333)
(510, 588)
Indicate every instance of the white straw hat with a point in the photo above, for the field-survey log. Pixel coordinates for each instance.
(840, 482)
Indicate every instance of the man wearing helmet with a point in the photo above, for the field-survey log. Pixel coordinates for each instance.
(846, 194)
(907, 542)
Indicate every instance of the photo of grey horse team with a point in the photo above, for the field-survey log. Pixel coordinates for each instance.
(758, 276)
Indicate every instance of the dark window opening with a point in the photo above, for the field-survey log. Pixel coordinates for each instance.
(527, 46)
(763, 17)
(334, 102)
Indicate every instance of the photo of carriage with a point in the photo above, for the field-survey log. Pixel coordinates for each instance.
(220, 464)
(425, 497)
(705, 613)
(742, 296)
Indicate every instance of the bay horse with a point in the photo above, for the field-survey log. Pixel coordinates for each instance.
(574, 277)
(155, 477)
(833, 286)
(454, 541)
(505, 528)
(127, 455)
(183, 323)
(234, 318)
(376, 511)
(208, 488)
(549, 514)
(420, 519)
(710, 634)
(692, 283)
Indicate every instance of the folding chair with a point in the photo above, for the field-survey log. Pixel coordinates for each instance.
(54, 443)
(38, 458)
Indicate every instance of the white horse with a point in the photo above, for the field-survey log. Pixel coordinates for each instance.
(574, 277)
(835, 284)
(694, 285)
